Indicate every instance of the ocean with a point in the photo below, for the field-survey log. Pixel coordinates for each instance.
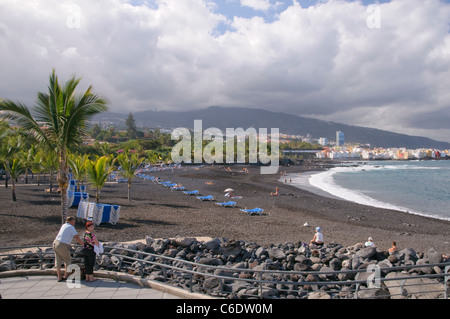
(416, 187)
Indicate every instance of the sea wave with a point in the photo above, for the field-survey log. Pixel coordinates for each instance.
(326, 183)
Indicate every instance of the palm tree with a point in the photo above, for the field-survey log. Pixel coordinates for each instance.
(9, 149)
(97, 173)
(58, 121)
(15, 168)
(4, 131)
(78, 165)
(129, 163)
(50, 164)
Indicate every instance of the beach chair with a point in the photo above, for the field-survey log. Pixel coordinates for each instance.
(227, 204)
(75, 198)
(203, 198)
(254, 211)
(191, 192)
(99, 213)
(170, 185)
(180, 188)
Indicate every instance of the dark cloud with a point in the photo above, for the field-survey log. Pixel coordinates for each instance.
(385, 66)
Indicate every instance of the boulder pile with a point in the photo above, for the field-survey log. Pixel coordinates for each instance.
(287, 270)
(237, 269)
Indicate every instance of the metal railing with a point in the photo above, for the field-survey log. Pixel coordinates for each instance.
(228, 282)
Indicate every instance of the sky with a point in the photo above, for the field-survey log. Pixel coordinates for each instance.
(381, 64)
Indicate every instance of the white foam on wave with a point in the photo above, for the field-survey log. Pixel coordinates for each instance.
(325, 182)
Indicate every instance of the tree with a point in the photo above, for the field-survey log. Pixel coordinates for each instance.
(129, 163)
(97, 173)
(78, 165)
(15, 168)
(58, 122)
(4, 146)
(9, 149)
(131, 127)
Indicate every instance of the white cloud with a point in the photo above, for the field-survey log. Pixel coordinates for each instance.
(323, 61)
(261, 5)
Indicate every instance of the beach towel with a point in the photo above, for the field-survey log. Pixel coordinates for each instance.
(98, 249)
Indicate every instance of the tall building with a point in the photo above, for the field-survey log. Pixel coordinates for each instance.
(339, 138)
(323, 141)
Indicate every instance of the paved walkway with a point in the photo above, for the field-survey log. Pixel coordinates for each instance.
(47, 287)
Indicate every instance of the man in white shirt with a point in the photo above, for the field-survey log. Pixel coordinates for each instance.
(61, 246)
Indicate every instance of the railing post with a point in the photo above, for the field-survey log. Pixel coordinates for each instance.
(41, 260)
(260, 285)
(190, 279)
(402, 292)
(446, 278)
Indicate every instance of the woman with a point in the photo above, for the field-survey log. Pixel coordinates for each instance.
(89, 241)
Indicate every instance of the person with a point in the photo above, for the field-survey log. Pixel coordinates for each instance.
(61, 246)
(318, 238)
(89, 242)
(369, 242)
(393, 249)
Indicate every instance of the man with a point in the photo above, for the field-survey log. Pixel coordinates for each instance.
(61, 246)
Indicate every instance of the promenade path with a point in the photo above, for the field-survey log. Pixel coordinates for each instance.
(47, 287)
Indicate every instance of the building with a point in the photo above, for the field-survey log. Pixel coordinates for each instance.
(323, 141)
(339, 138)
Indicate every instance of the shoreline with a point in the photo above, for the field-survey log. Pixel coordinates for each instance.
(303, 182)
(160, 212)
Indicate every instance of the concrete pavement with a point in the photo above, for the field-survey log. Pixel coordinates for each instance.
(47, 287)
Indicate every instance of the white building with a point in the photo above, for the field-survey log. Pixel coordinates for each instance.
(339, 138)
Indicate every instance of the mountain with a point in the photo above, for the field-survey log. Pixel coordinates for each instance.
(234, 117)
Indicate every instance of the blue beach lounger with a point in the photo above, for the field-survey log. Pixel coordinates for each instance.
(180, 188)
(191, 192)
(203, 198)
(227, 204)
(254, 211)
(170, 185)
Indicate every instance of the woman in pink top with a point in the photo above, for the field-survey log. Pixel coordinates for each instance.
(89, 241)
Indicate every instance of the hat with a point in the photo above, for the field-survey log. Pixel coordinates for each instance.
(318, 228)
(89, 224)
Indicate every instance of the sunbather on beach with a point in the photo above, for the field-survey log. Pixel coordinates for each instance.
(276, 192)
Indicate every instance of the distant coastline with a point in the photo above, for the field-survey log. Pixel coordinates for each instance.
(319, 183)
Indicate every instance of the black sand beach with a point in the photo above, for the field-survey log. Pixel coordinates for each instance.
(158, 211)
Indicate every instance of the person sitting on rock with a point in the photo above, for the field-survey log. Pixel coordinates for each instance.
(318, 238)
(369, 242)
(393, 249)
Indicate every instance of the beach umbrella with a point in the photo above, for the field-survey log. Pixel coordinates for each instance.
(229, 190)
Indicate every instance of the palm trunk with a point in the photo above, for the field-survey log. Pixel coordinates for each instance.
(14, 191)
(129, 190)
(51, 181)
(63, 184)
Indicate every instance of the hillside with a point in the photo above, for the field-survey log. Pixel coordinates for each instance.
(226, 117)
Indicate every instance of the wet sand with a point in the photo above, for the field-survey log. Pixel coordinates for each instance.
(158, 211)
